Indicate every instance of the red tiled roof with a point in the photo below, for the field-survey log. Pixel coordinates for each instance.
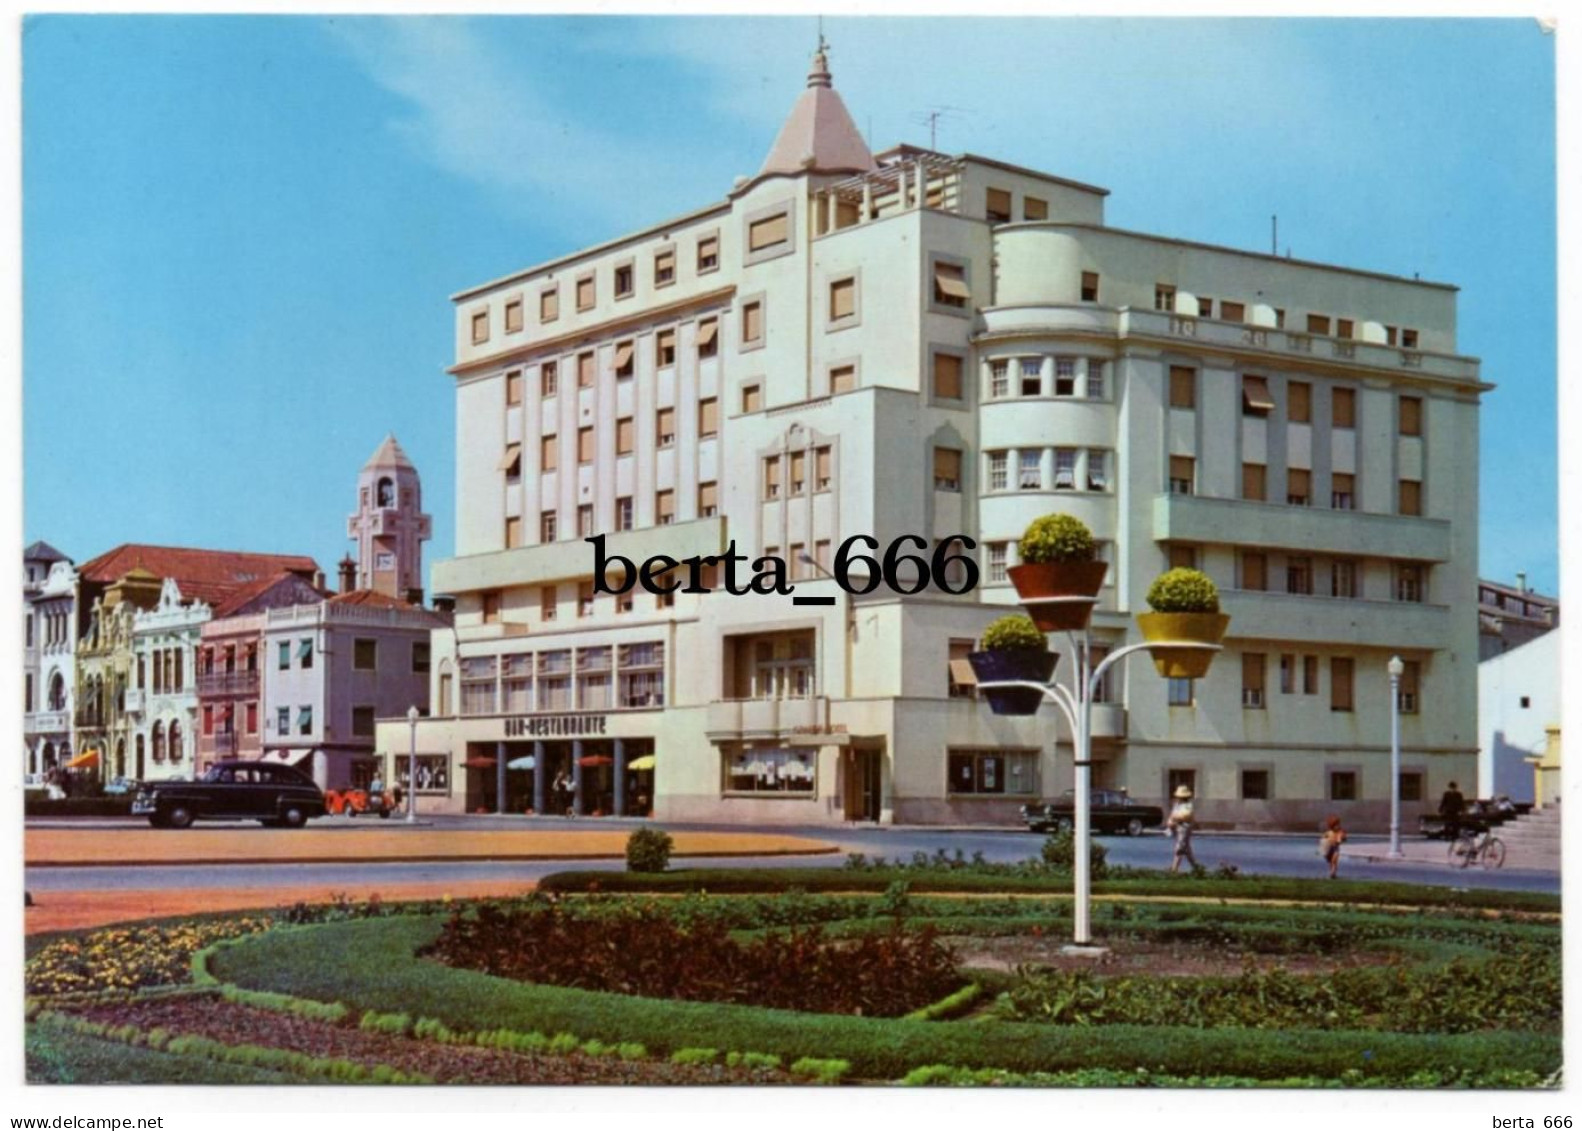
(253, 590)
(373, 599)
(210, 576)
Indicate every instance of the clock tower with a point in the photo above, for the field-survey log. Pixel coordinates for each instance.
(390, 526)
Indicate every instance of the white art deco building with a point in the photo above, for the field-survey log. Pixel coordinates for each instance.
(913, 343)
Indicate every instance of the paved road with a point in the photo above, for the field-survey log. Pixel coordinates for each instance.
(1293, 855)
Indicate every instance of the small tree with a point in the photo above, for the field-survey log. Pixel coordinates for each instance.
(1060, 853)
(1014, 633)
(648, 850)
(1183, 591)
(1056, 538)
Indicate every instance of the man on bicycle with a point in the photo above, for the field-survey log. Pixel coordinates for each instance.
(1451, 807)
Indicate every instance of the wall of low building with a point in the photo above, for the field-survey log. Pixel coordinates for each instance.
(1518, 697)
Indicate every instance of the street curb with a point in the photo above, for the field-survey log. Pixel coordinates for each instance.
(463, 858)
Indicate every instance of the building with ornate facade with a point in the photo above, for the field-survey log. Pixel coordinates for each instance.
(48, 644)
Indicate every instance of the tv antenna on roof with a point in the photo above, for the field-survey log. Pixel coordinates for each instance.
(931, 118)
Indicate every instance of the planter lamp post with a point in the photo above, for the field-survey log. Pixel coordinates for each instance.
(1395, 668)
(1076, 704)
(411, 766)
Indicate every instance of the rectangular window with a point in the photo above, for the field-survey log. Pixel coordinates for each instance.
(305, 654)
(950, 285)
(665, 507)
(585, 370)
(252, 718)
(999, 379)
(1164, 298)
(1411, 416)
(665, 427)
(283, 721)
(513, 532)
(1287, 674)
(1343, 328)
(821, 550)
(1318, 324)
(1183, 475)
(511, 462)
(1411, 497)
(1178, 692)
(664, 267)
(285, 656)
(1299, 402)
(947, 376)
(585, 521)
(665, 348)
(1411, 671)
(1254, 570)
(708, 254)
(1065, 376)
(625, 436)
(1183, 387)
(624, 366)
(1343, 785)
(480, 327)
(1098, 469)
(961, 683)
(548, 305)
(585, 293)
(1232, 311)
(708, 500)
(1065, 469)
(547, 527)
(478, 685)
(842, 299)
(1408, 339)
(1309, 675)
(1390, 334)
(1299, 487)
(1255, 785)
(1031, 476)
(997, 561)
(1253, 481)
(585, 599)
(1095, 379)
(1411, 785)
(1340, 672)
(821, 468)
(947, 469)
(516, 684)
(1252, 667)
(1299, 576)
(1343, 408)
(1343, 578)
(548, 453)
(623, 513)
(708, 418)
(585, 445)
(768, 232)
(363, 722)
(1090, 286)
(1409, 583)
(491, 606)
(771, 477)
(625, 278)
(752, 323)
(765, 769)
(513, 387)
(993, 772)
(997, 206)
(1205, 307)
(420, 657)
(1034, 209)
(798, 472)
(513, 316)
(998, 477)
(546, 602)
(548, 384)
(1255, 397)
(752, 398)
(1032, 370)
(305, 720)
(1181, 556)
(709, 338)
(843, 378)
(1342, 491)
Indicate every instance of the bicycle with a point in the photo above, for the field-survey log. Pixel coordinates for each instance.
(1469, 846)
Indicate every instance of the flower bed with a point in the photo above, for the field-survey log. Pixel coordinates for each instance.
(128, 958)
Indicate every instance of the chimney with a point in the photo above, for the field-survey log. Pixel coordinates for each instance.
(348, 571)
(1521, 581)
(318, 580)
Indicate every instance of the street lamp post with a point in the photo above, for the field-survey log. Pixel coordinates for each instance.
(1076, 704)
(411, 766)
(1395, 668)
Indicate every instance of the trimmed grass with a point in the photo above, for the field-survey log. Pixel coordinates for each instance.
(370, 964)
(767, 880)
(58, 1056)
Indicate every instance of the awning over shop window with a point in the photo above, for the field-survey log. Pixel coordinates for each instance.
(646, 762)
(87, 760)
(596, 760)
(479, 763)
(526, 762)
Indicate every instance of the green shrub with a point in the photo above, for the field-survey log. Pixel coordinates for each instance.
(1183, 591)
(648, 850)
(1057, 538)
(694, 1056)
(396, 1024)
(1014, 633)
(951, 1006)
(562, 1043)
(631, 1050)
(821, 1070)
(1060, 853)
(751, 1060)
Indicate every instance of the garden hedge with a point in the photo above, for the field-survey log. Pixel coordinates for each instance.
(371, 964)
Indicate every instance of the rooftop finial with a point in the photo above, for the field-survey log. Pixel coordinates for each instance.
(818, 73)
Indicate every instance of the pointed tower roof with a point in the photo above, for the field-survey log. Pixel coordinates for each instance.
(389, 454)
(43, 552)
(819, 135)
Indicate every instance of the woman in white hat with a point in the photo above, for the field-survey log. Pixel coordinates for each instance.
(1180, 827)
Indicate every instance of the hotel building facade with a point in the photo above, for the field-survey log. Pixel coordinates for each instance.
(912, 343)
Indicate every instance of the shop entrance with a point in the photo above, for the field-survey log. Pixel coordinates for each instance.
(864, 768)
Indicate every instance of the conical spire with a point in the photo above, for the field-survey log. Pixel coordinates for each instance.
(389, 454)
(819, 135)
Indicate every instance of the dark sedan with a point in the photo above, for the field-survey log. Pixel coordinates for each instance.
(248, 791)
(1110, 811)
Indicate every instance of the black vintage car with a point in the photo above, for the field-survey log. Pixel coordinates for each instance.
(1110, 811)
(259, 791)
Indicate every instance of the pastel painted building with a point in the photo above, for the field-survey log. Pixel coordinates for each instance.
(912, 343)
(48, 666)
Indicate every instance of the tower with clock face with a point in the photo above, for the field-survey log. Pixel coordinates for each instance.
(390, 526)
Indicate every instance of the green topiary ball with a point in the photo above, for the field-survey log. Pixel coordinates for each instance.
(1016, 632)
(1183, 591)
(1056, 538)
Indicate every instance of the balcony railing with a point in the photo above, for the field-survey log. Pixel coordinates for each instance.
(228, 683)
(48, 722)
(768, 717)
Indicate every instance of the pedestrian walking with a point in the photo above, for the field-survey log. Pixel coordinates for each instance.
(1179, 826)
(1329, 844)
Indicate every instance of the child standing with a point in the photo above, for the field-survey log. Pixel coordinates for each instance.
(1329, 844)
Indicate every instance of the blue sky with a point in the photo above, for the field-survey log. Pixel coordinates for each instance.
(239, 233)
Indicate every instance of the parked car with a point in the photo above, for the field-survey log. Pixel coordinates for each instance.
(1110, 811)
(270, 794)
(1478, 816)
(120, 786)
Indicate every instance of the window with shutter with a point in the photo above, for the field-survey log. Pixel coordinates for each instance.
(1342, 488)
(1090, 286)
(950, 285)
(1232, 312)
(1183, 475)
(947, 376)
(548, 381)
(585, 293)
(585, 445)
(798, 472)
(513, 387)
(708, 417)
(665, 507)
(1255, 397)
(513, 532)
(768, 232)
(771, 477)
(548, 453)
(752, 322)
(843, 378)
(1299, 402)
(708, 338)
(1411, 416)
(947, 469)
(1183, 387)
(997, 206)
(1254, 571)
(625, 436)
(1318, 324)
(752, 398)
(1411, 497)
(624, 354)
(1252, 481)
(665, 348)
(1298, 487)
(1034, 209)
(665, 267)
(513, 316)
(585, 370)
(708, 500)
(549, 305)
(821, 468)
(708, 253)
(1343, 408)
(480, 327)
(842, 299)
(666, 427)
(1340, 673)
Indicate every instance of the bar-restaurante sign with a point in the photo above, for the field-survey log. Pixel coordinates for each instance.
(540, 725)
